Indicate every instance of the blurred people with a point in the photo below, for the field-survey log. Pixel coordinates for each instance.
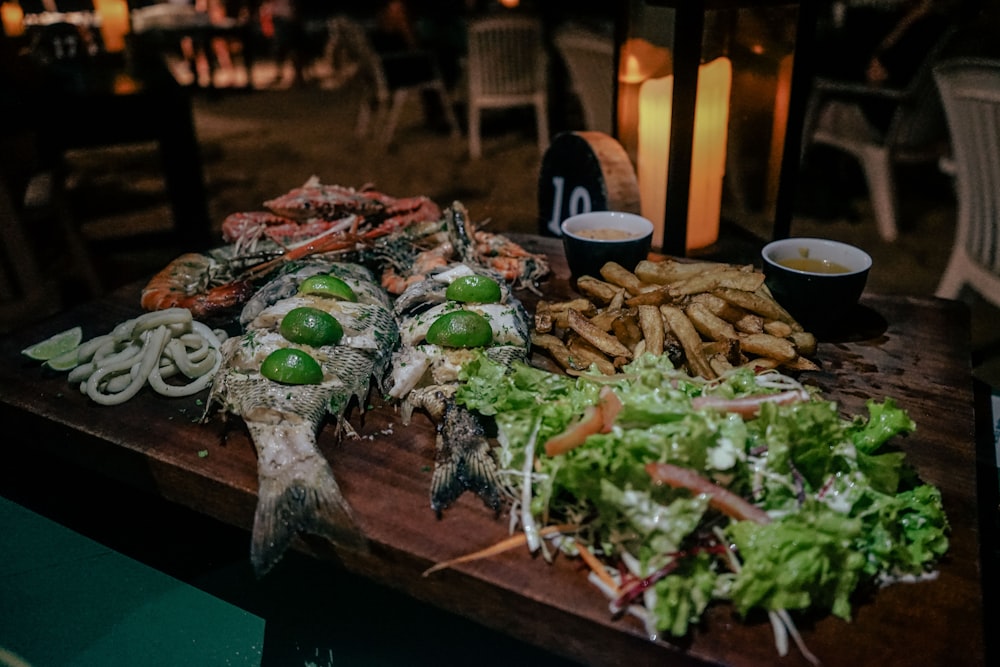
(879, 44)
(394, 29)
(894, 61)
(435, 29)
(393, 34)
(440, 28)
(288, 40)
(884, 45)
(219, 48)
(409, 63)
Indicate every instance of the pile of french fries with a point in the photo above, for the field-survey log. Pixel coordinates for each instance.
(709, 317)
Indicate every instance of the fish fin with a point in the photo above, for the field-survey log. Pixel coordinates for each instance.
(284, 509)
(463, 462)
(479, 475)
(446, 481)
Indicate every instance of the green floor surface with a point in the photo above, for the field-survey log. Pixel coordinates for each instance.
(67, 600)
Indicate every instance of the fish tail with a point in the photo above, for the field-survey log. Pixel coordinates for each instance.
(463, 462)
(446, 482)
(302, 497)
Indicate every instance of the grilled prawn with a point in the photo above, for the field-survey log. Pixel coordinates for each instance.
(297, 490)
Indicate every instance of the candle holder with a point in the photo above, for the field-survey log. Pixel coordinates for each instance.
(712, 92)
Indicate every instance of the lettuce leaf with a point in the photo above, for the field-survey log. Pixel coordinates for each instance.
(805, 560)
(845, 508)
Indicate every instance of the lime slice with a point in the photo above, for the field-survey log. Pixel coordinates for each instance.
(460, 328)
(53, 346)
(291, 366)
(327, 285)
(311, 326)
(473, 289)
(66, 361)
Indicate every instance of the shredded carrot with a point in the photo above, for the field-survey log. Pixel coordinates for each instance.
(597, 567)
(501, 546)
(577, 432)
(599, 418)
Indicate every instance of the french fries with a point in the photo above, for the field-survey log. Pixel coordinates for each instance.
(597, 289)
(709, 317)
(651, 327)
(681, 326)
(597, 336)
(616, 274)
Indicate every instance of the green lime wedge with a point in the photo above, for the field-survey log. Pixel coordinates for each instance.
(291, 366)
(55, 345)
(66, 361)
(473, 289)
(327, 285)
(460, 328)
(311, 326)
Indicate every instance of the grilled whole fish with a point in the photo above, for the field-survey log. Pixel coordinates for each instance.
(297, 490)
(425, 376)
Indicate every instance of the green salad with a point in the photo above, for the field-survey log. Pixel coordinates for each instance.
(751, 489)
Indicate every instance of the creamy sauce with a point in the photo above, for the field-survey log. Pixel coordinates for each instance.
(605, 234)
(813, 265)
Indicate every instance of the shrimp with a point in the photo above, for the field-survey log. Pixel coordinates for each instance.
(424, 264)
(185, 283)
(212, 286)
(509, 259)
(458, 241)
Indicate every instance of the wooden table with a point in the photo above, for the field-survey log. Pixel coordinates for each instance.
(915, 350)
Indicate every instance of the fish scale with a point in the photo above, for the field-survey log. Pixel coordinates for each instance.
(426, 376)
(297, 491)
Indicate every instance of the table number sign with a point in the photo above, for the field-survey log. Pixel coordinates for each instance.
(582, 172)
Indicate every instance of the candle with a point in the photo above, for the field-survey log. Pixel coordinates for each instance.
(13, 19)
(114, 19)
(708, 159)
(629, 80)
(639, 60)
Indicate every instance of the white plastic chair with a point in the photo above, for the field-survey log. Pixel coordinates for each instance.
(385, 96)
(590, 60)
(507, 67)
(916, 133)
(970, 92)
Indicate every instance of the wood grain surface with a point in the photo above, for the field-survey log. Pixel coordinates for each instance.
(914, 350)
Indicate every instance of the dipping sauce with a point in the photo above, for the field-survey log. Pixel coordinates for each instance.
(606, 234)
(813, 265)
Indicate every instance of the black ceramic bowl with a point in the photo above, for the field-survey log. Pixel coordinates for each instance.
(593, 239)
(818, 281)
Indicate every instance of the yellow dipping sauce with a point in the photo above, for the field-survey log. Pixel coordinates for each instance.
(813, 265)
(605, 234)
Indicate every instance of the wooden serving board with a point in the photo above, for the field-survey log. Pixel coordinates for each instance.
(914, 350)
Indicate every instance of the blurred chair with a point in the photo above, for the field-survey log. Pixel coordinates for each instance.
(388, 79)
(970, 92)
(590, 60)
(507, 68)
(916, 134)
